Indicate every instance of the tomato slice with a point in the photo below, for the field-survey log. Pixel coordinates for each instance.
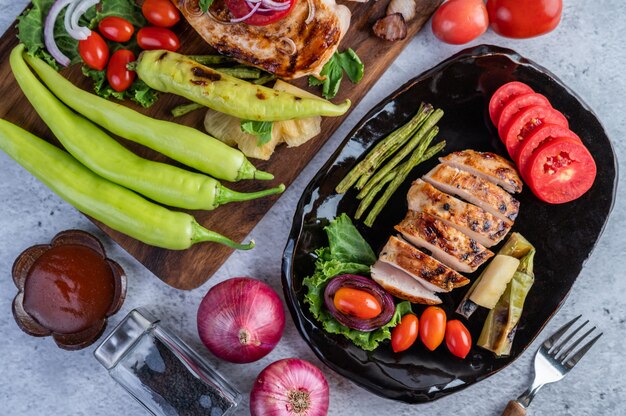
(503, 95)
(239, 9)
(537, 138)
(561, 170)
(516, 104)
(525, 122)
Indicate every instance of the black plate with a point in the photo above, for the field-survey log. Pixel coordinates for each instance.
(564, 235)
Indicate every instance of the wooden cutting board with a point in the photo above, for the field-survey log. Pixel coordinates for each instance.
(190, 268)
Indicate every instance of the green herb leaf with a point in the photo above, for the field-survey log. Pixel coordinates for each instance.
(204, 5)
(261, 129)
(347, 61)
(352, 64)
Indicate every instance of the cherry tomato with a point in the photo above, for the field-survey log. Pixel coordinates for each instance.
(524, 19)
(94, 51)
(151, 37)
(160, 13)
(527, 120)
(405, 333)
(518, 103)
(118, 76)
(537, 138)
(355, 302)
(432, 327)
(458, 338)
(561, 170)
(460, 21)
(503, 95)
(240, 8)
(116, 29)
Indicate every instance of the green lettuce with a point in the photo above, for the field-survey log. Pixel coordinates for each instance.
(348, 253)
(30, 33)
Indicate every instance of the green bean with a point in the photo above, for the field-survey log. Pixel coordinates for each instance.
(429, 123)
(113, 205)
(174, 73)
(242, 72)
(183, 109)
(211, 59)
(264, 79)
(105, 156)
(184, 144)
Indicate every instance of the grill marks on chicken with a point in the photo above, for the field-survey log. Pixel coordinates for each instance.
(289, 48)
(402, 285)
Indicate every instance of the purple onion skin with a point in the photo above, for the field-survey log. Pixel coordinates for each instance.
(367, 285)
(241, 320)
(290, 387)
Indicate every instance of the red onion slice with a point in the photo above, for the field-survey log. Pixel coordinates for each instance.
(82, 7)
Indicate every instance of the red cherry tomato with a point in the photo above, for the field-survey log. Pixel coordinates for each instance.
(432, 327)
(405, 333)
(460, 21)
(239, 9)
(524, 19)
(561, 170)
(160, 13)
(118, 76)
(355, 302)
(525, 122)
(94, 51)
(537, 138)
(503, 95)
(458, 339)
(518, 103)
(116, 29)
(151, 37)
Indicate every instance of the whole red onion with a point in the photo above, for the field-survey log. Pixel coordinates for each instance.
(290, 387)
(241, 320)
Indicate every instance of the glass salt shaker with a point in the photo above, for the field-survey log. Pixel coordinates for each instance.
(159, 370)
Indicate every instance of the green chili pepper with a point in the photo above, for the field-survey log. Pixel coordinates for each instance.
(105, 156)
(113, 205)
(177, 74)
(184, 144)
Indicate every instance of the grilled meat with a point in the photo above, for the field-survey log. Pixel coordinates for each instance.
(391, 27)
(474, 189)
(401, 285)
(477, 223)
(447, 244)
(488, 166)
(430, 273)
(289, 48)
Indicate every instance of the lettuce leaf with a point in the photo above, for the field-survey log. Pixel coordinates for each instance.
(348, 253)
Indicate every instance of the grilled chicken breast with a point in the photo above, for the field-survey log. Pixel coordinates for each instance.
(487, 165)
(447, 244)
(430, 273)
(401, 285)
(477, 223)
(289, 48)
(474, 189)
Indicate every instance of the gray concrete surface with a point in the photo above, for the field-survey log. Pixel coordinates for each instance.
(586, 51)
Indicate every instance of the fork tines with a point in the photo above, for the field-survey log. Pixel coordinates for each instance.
(566, 358)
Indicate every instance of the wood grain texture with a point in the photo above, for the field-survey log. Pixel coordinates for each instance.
(513, 408)
(190, 268)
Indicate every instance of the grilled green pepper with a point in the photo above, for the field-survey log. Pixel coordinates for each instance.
(105, 156)
(184, 144)
(113, 205)
(171, 72)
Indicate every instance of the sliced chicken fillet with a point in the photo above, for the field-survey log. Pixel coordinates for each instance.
(487, 165)
(430, 273)
(401, 285)
(447, 244)
(477, 223)
(289, 48)
(475, 190)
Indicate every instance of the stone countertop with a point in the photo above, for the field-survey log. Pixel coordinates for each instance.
(586, 51)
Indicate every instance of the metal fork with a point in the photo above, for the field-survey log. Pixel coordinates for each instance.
(552, 363)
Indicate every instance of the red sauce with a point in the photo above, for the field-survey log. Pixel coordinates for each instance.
(69, 288)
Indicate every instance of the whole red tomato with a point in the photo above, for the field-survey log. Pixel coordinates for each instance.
(160, 13)
(432, 327)
(94, 51)
(524, 19)
(405, 333)
(118, 76)
(116, 29)
(458, 338)
(152, 37)
(460, 21)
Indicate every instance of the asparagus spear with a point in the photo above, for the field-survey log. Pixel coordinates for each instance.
(211, 59)
(430, 122)
(242, 72)
(264, 79)
(381, 151)
(181, 110)
(374, 190)
(415, 158)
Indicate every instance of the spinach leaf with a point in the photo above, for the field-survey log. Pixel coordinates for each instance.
(333, 70)
(261, 129)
